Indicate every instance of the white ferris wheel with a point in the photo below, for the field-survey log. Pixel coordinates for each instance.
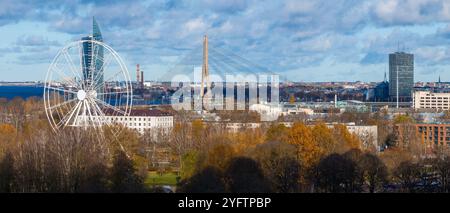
(87, 85)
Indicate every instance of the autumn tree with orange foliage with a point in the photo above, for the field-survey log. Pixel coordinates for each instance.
(347, 140)
(7, 137)
(308, 150)
(277, 133)
(325, 139)
(247, 139)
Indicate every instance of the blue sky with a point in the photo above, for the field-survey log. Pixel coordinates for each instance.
(303, 40)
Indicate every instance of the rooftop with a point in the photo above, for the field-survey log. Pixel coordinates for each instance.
(140, 112)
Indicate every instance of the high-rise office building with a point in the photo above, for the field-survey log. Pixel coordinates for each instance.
(93, 56)
(401, 76)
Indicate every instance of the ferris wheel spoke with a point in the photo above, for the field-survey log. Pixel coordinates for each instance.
(65, 119)
(95, 113)
(63, 76)
(73, 69)
(61, 90)
(62, 104)
(80, 53)
(91, 117)
(102, 67)
(110, 106)
(100, 113)
(94, 61)
(103, 58)
(75, 120)
(95, 82)
(104, 82)
(111, 93)
(70, 61)
(84, 114)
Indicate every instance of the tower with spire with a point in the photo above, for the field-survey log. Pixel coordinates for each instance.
(92, 57)
(96, 33)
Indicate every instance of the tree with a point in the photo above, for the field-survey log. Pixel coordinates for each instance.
(308, 150)
(390, 140)
(408, 175)
(325, 139)
(189, 164)
(208, 180)
(442, 167)
(346, 139)
(244, 175)
(291, 98)
(197, 130)
(280, 167)
(95, 179)
(277, 132)
(7, 137)
(179, 142)
(406, 134)
(337, 174)
(287, 175)
(392, 158)
(246, 139)
(403, 119)
(219, 155)
(16, 112)
(7, 173)
(355, 156)
(373, 170)
(123, 175)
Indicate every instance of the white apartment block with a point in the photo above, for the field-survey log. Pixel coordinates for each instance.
(141, 120)
(368, 134)
(431, 100)
(236, 127)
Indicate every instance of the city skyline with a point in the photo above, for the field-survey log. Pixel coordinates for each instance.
(301, 40)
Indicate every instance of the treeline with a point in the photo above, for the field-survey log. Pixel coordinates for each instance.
(208, 158)
(72, 161)
(305, 159)
(273, 167)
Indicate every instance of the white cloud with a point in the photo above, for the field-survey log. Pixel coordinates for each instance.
(280, 35)
(193, 26)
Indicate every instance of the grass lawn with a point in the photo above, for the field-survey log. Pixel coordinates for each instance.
(154, 178)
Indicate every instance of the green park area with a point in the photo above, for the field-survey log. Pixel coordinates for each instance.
(156, 178)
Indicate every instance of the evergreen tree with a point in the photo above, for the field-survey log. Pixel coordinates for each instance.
(123, 175)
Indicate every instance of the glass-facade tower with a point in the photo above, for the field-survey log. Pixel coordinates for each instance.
(401, 65)
(93, 56)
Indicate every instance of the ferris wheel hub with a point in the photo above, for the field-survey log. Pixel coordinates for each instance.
(81, 95)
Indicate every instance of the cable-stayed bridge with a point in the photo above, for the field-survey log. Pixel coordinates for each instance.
(230, 75)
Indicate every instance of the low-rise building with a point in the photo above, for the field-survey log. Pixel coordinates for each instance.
(267, 111)
(434, 133)
(368, 134)
(431, 100)
(141, 120)
(295, 109)
(236, 127)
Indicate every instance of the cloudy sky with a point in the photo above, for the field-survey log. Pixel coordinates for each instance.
(303, 40)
